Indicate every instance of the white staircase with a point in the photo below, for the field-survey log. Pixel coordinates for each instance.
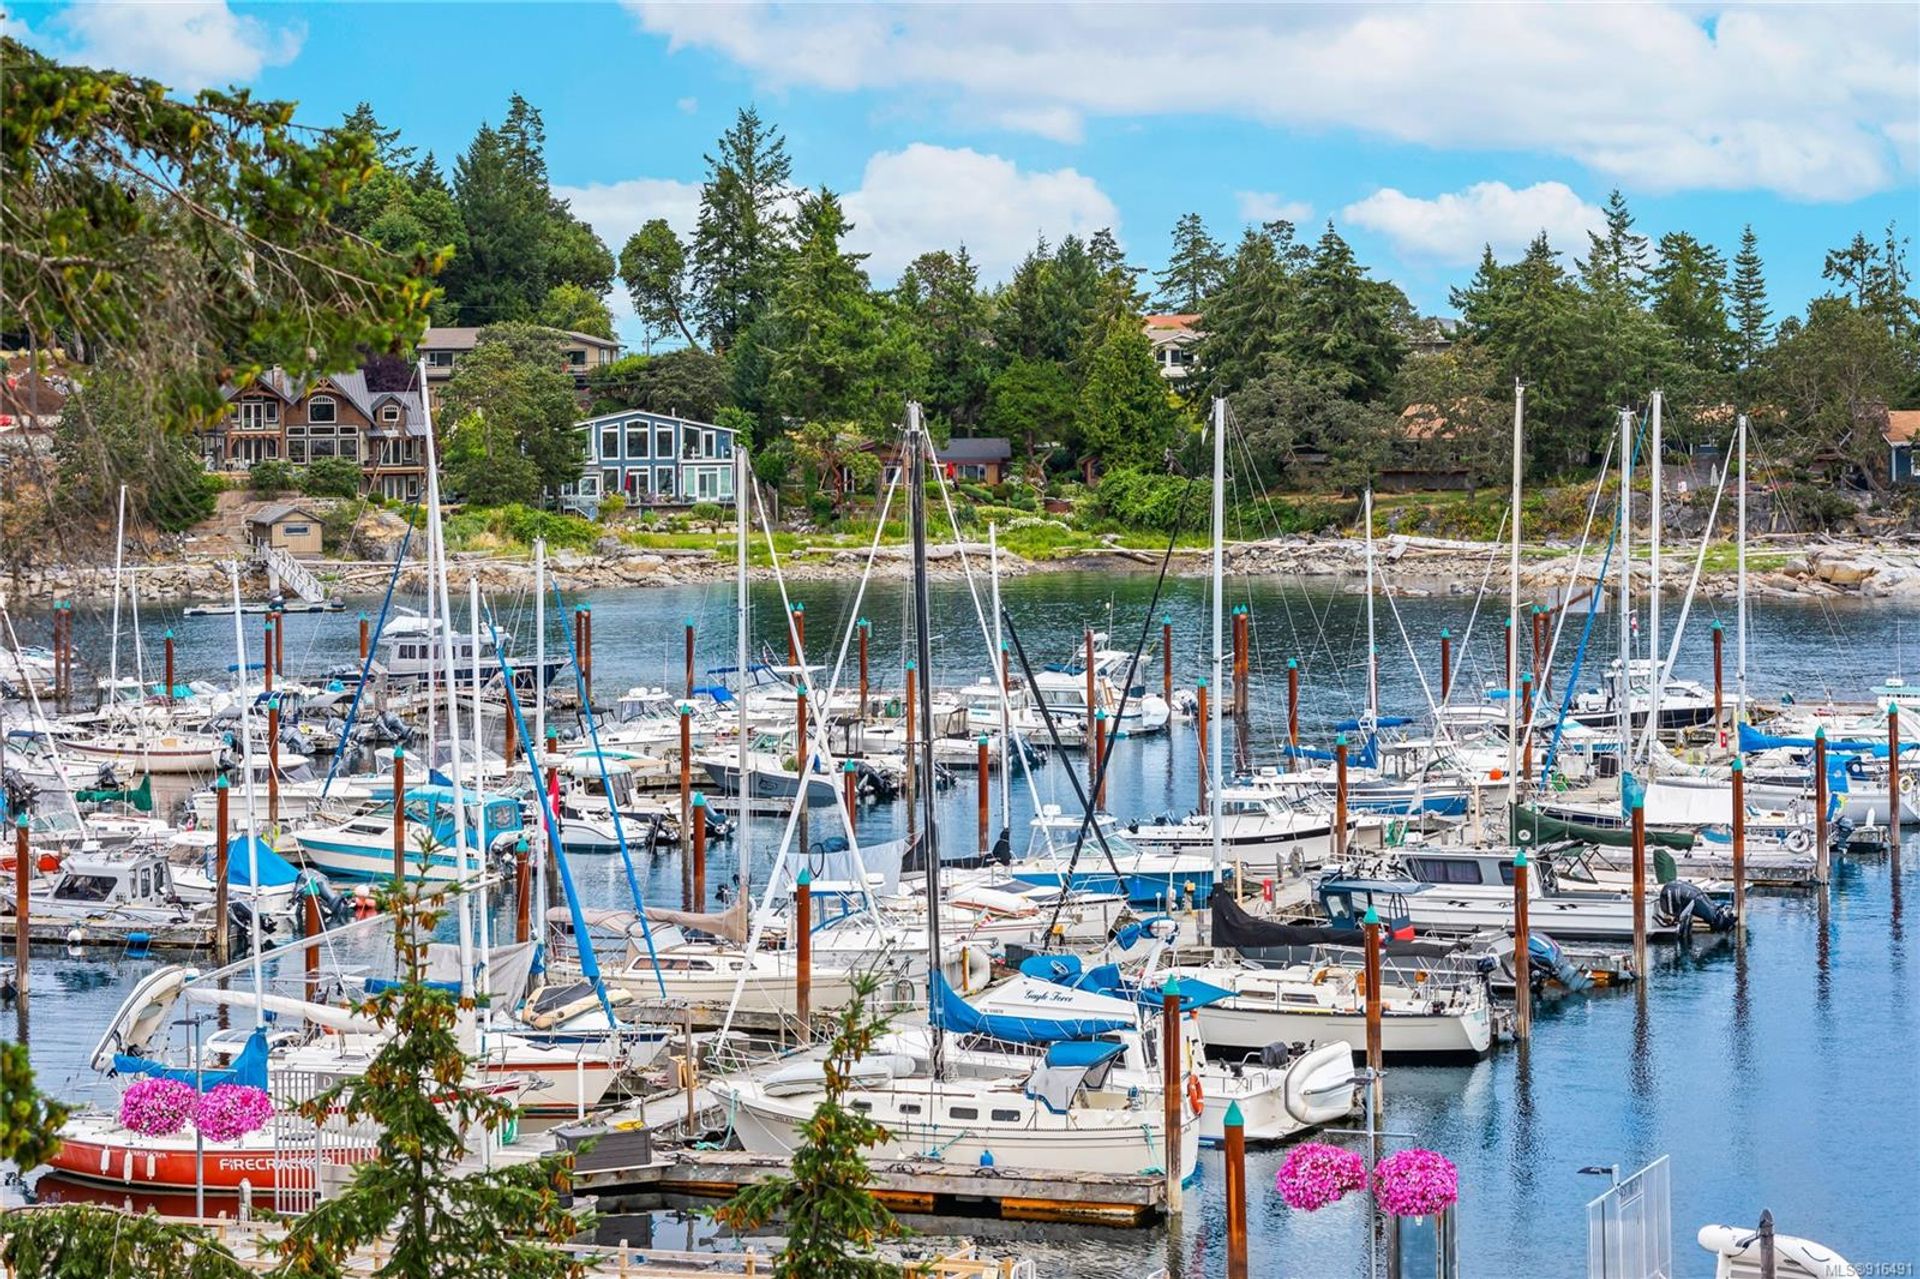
(286, 572)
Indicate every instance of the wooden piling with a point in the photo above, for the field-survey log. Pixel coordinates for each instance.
(803, 950)
(552, 800)
(1522, 956)
(22, 908)
(580, 642)
(1235, 1132)
(522, 893)
(801, 754)
(1526, 727)
(273, 764)
(1340, 797)
(586, 655)
(1376, 1053)
(1640, 886)
(1172, 1085)
(700, 851)
(169, 644)
(399, 813)
(313, 930)
(984, 791)
(266, 654)
(689, 658)
(1446, 663)
(1096, 752)
(221, 825)
(1202, 721)
(686, 805)
(850, 784)
(279, 643)
(797, 638)
(510, 726)
(1539, 623)
(1719, 700)
(1166, 658)
(1820, 804)
(1893, 783)
(1293, 701)
(363, 637)
(864, 630)
(1739, 843)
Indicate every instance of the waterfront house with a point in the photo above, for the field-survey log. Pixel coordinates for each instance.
(651, 459)
(442, 347)
(978, 459)
(1899, 430)
(1173, 339)
(285, 526)
(272, 418)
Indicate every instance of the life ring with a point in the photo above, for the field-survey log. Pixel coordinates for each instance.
(1907, 783)
(1799, 841)
(1196, 1096)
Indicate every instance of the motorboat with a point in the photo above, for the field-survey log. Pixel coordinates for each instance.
(1458, 891)
(362, 846)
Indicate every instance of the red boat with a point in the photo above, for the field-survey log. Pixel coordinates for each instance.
(94, 1147)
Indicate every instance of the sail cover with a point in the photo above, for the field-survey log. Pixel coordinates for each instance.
(730, 924)
(952, 1013)
(1531, 827)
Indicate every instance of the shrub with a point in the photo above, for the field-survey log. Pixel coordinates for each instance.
(612, 506)
(1143, 500)
(331, 477)
(268, 479)
(709, 514)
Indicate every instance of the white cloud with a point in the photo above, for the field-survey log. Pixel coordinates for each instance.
(617, 209)
(186, 44)
(927, 197)
(688, 105)
(1452, 228)
(1813, 102)
(1265, 206)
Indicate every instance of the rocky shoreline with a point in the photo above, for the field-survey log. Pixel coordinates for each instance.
(1409, 566)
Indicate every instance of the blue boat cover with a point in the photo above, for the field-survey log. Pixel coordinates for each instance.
(1083, 1053)
(275, 870)
(1384, 721)
(952, 1013)
(1752, 739)
(249, 1068)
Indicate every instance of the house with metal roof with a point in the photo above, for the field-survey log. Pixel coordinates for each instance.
(651, 459)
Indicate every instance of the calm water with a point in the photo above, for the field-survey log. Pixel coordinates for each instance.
(1779, 1076)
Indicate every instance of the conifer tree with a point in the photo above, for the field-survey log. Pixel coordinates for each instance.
(744, 231)
(1751, 318)
(1194, 268)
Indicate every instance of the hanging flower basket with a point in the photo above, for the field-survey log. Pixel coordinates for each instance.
(157, 1107)
(1416, 1183)
(1316, 1174)
(231, 1111)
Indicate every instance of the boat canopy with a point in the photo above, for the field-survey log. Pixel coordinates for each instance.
(249, 1068)
(1083, 1052)
(275, 870)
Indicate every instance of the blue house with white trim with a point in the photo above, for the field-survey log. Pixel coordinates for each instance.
(651, 459)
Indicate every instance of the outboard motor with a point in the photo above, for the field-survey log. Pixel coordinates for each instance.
(1547, 961)
(1682, 903)
(1839, 835)
(1279, 1054)
(333, 905)
(20, 792)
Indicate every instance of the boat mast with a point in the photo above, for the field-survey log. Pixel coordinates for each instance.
(539, 743)
(1653, 586)
(119, 552)
(437, 558)
(1623, 702)
(1215, 730)
(1740, 607)
(918, 447)
(1514, 726)
(742, 487)
(1006, 695)
(241, 696)
(482, 942)
(1373, 649)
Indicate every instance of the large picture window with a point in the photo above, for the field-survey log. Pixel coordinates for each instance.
(321, 408)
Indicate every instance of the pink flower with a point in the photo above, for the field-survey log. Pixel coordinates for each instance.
(231, 1111)
(1316, 1174)
(1416, 1183)
(157, 1107)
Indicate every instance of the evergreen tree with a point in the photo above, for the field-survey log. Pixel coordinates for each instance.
(434, 1218)
(1031, 401)
(824, 322)
(387, 151)
(829, 1215)
(1616, 262)
(1125, 416)
(684, 383)
(940, 294)
(573, 309)
(1341, 324)
(1245, 319)
(1195, 268)
(744, 232)
(1751, 317)
(654, 266)
(88, 1241)
(1689, 298)
(503, 274)
(1527, 316)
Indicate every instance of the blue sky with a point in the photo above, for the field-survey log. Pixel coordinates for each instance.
(1422, 132)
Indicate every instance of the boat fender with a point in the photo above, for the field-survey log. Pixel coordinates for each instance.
(106, 1160)
(126, 1167)
(152, 1166)
(1196, 1096)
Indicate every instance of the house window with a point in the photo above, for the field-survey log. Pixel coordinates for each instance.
(296, 450)
(704, 486)
(577, 358)
(610, 481)
(663, 481)
(663, 441)
(439, 359)
(350, 447)
(636, 441)
(293, 530)
(321, 408)
(610, 441)
(258, 415)
(973, 471)
(725, 444)
(726, 483)
(390, 413)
